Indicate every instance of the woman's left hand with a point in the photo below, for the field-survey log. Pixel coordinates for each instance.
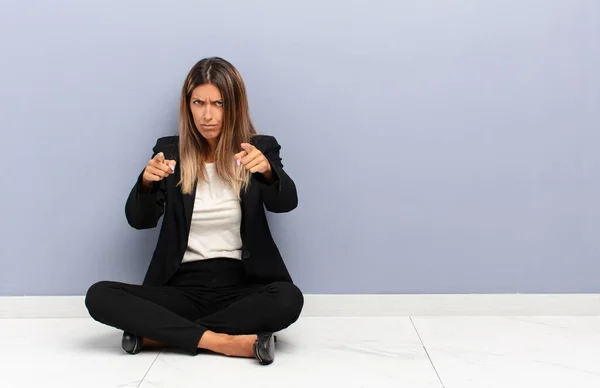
(253, 160)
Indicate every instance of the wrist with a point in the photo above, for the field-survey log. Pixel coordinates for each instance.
(268, 174)
(146, 185)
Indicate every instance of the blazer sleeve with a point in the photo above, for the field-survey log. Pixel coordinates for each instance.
(279, 196)
(144, 207)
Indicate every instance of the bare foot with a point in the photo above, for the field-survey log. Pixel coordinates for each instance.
(240, 346)
(229, 345)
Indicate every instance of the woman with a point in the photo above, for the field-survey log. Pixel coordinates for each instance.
(216, 280)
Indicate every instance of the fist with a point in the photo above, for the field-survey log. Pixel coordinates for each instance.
(157, 169)
(253, 160)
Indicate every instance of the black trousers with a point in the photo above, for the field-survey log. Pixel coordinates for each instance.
(203, 295)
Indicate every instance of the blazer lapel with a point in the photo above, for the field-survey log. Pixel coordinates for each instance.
(188, 206)
(243, 224)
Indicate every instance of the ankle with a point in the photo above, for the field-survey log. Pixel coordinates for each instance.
(151, 344)
(229, 345)
(215, 342)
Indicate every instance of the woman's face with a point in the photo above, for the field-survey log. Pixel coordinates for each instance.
(206, 105)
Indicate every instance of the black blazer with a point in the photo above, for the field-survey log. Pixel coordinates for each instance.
(260, 255)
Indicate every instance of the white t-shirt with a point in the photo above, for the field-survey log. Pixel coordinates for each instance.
(216, 219)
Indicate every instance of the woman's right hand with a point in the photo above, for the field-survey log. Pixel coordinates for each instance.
(157, 169)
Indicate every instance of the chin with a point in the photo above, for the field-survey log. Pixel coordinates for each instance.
(210, 135)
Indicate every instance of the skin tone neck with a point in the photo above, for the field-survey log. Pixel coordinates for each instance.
(210, 157)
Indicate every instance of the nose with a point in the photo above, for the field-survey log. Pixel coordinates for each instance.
(207, 113)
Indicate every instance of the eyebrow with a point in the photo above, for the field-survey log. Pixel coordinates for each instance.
(198, 98)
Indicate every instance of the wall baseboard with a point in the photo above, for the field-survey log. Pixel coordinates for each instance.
(358, 305)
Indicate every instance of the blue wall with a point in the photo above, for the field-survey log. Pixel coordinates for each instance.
(438, 146)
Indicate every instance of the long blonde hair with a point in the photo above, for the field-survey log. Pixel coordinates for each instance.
(237, 126)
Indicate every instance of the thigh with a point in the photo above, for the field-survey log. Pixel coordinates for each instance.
(179, 300)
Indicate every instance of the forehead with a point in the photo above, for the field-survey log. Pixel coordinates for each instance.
(206, 91)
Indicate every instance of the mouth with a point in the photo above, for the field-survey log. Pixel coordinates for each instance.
(209, 126)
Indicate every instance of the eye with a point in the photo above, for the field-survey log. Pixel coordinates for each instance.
(219, 103)
(197, 102)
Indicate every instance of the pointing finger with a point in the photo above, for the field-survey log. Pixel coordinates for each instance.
(248, 147)
(251, 156)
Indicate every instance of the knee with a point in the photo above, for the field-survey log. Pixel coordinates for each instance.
(291, 301)
(96, 298)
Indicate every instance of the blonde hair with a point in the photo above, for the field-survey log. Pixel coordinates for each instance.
(237, 126)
